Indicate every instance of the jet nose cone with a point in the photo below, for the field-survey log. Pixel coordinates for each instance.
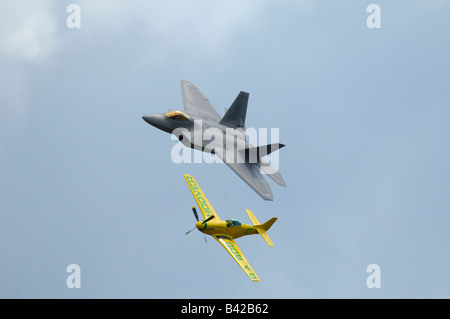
(160, 121)
(148, 118)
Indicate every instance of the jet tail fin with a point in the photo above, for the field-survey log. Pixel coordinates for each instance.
(235, 115)
(262, 228)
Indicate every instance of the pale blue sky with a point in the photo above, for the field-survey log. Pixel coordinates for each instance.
(365, 115)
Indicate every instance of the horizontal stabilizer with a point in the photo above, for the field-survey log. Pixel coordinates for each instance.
(254, 153)
(273, 173)
(262, 228)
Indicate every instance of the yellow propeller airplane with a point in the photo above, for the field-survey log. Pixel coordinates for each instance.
(226, 231)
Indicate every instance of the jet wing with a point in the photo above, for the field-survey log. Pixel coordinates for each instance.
(250, 173)
(196, 104)
(202, 202)
(233, 249)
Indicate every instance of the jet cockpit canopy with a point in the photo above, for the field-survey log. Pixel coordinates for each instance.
(177, 116)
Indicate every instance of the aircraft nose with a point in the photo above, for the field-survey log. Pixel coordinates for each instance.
(200, 225)
(159, 121)
(149, 118)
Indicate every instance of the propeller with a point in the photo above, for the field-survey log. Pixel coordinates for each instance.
(195, 212)
(189, 231)
(196, 217)
(208, 219)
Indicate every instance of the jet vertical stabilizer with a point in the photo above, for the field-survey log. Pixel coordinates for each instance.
(235, 116)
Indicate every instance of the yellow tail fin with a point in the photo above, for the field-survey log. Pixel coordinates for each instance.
(262, 228)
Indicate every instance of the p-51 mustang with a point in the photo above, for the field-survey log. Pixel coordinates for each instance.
(225, 231)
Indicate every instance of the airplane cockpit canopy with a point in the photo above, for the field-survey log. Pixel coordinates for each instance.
(233, 222)
(178, 116)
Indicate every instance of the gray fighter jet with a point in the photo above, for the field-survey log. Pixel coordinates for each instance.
(201, 127)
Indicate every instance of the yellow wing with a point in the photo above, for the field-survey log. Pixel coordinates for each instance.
(200, 198)
(230, 245)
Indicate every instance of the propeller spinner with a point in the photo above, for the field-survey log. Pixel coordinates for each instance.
(204, 221)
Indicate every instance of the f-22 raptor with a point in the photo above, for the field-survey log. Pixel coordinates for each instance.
(201, 127)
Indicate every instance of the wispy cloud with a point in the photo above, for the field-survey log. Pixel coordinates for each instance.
(28, 29)
(28, 33)
(198, 28)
